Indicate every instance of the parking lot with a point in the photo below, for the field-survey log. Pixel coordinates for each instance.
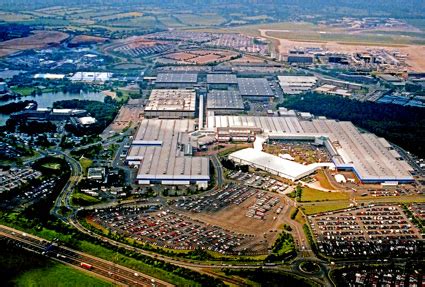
(170, 229)
(258, 181)
(217, 200)
(373, 230)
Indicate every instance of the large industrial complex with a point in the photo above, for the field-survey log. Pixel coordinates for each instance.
(371, 158)
(213, 143)
(163, 151)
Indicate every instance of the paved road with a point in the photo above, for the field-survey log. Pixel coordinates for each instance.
(102, 268)
(218, 169)
(64, 197)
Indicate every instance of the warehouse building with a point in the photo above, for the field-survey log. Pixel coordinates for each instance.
(225, 102)
(257, 89)
(162, 150)
(371, 158)
(300, 59)
(171, 104)
(294, 85)
(332, 90)
(222, 81)
(341, 84)
(175, 80)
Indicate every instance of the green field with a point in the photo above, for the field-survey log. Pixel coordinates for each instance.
(19, 267)
(85, 164)
(347, 38)
(57, 275)
(82, 199)
(310, 194)
(24, 91)
(313, 209)
(55, 166)
(200, 20)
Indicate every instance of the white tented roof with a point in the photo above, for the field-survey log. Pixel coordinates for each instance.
(274, 164)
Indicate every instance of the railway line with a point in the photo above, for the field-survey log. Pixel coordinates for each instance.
(109, 271)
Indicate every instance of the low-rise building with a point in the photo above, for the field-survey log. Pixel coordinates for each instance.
(257, 89)
(293, 85)
(162, 150)
(176, 80)
(171, 103)
(222, 81)
(96, 173)
(225, 102)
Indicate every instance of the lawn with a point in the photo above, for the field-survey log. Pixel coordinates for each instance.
(201, 20)
(57, 275)
(55, 166)
(310, 194)
(313, 209)
(82, 199)
(85, 164)
(24, 91)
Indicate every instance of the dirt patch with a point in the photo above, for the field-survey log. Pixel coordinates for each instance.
(39, 40)
(87, 40)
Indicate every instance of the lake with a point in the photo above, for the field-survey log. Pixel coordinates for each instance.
(46, 100)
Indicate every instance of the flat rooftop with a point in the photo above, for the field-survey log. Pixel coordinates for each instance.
(222, 79)
(172, 100)
(255, 87)
(159, 147)
(297, 80)
(184, 78)
(218, 99)
(371, 157)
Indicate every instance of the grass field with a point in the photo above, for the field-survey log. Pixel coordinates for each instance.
(58, 275)
(313, 209)
(85, 163)
(55, 166)
(24, 91)
(201, 20)
(84, 199)
(310, 194)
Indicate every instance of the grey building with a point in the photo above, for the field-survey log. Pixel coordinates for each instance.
(222, 81)
(176, 80)
(257, 89)
(225, 102)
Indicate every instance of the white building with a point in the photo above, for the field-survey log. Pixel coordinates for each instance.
(171, 104)
(297, 84)
(91, 77)
(274, 164)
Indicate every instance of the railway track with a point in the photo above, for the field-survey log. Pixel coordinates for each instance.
(105, 269)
